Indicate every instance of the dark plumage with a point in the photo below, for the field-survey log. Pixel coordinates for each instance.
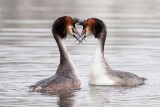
(66, 77)
(59, 27)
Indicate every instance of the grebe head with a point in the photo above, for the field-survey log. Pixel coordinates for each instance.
(64, 26)
(93, 26)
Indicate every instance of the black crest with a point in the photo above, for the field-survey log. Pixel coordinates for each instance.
(98, 28)
(59, 27)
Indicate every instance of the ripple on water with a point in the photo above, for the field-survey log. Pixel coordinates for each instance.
(28, 52)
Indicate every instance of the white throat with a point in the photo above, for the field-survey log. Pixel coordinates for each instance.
(98, 71)
(98, 59)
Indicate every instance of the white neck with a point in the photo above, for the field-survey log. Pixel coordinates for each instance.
(99, 68)
(98, 58)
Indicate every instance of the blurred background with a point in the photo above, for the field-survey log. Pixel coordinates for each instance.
(28, 52)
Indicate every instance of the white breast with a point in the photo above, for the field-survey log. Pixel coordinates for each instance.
(98, 73)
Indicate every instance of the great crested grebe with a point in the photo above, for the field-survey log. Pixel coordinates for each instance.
(66, 77)
(101, 73)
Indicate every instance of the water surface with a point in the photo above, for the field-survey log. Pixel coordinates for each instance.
(28, 52)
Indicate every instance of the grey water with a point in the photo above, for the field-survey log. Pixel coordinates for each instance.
(28, 52)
